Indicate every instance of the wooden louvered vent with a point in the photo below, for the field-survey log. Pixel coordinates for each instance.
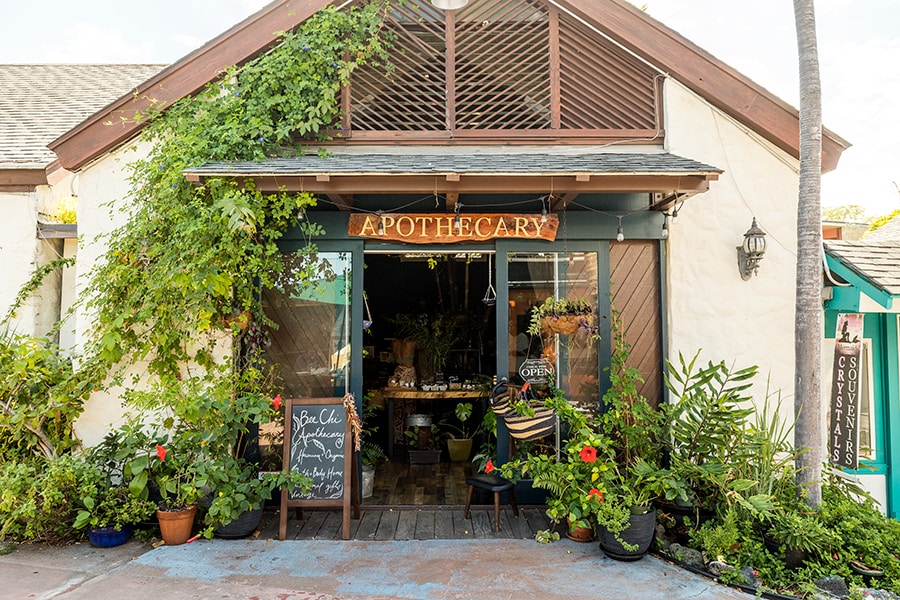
(501, 70)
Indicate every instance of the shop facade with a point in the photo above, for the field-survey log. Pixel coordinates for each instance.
(502, 118)
(863, 281)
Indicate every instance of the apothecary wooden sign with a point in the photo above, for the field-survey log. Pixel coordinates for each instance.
(447, 228)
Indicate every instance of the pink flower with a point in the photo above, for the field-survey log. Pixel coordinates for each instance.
(276, 402)
(589, 454)
(489, 466)
(161, 453)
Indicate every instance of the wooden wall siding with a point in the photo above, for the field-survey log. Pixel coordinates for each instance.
(602, 86)
(634, 279)
(520, 67)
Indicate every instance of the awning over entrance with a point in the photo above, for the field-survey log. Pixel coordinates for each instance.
(671, 177)
(872, 269)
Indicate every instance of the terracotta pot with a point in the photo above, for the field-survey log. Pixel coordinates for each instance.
(580, 534)
(176, 526)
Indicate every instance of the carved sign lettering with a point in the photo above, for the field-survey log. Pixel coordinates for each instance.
(443, 229)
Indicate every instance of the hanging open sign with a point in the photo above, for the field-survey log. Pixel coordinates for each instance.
(536, 370)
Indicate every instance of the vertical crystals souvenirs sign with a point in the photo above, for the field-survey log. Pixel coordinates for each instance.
(843, 432)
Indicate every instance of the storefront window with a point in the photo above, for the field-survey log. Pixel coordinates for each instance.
(866, 414)
(533, 277)
(311, 346)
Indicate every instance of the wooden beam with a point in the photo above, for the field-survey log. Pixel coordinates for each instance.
(561, 201)
(22, 180)
(342, 201)
(472, 184)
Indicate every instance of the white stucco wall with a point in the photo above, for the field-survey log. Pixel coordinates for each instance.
(21, 252)
(17, 248)
(709, 306)
(101, 187)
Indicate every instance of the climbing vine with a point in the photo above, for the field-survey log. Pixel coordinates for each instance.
(192, 258)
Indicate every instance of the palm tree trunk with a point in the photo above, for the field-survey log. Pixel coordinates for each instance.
(808, 325)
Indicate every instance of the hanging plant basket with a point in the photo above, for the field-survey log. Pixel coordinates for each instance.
(563, 325)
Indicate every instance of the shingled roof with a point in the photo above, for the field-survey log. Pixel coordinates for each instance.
(41, 102)
(877, 263)
(889, 232)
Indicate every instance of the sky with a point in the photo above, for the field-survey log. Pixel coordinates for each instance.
(859, 54)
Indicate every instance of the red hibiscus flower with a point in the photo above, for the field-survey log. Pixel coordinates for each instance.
(276, 402)
(161, 452)
(596, 492)
(489, 466)
(589, 454)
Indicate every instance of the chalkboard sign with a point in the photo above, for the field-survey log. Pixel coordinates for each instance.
(318, 443)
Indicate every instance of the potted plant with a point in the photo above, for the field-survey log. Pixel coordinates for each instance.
(111, 514)
(434, 338)
(423, 438)
(108, 509)
(604, 474)
(459, 436)
(794, 535)
(199, 450)
(636, 433)
(563, 316)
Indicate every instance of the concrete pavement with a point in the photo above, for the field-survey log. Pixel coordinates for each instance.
(345, 570)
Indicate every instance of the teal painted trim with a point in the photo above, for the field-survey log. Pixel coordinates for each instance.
(664, 310)
(844, 299)
(356, 318)
(501, 268)
(890, 394)
(869, 468)
(604, 320)
(859, 281)
(831, 323)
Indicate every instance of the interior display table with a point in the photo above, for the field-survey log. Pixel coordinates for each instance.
(398, 393)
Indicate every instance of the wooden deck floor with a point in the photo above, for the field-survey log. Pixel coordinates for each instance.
(414, 502)
(410, 523)
(398, 483)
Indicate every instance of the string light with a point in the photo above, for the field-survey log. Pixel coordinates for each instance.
(544, 210)
(665, 228)
(301, 216)
(457, 222)
(380, 223)
(620, 233)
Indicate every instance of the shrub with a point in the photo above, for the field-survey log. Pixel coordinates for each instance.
(40, 498)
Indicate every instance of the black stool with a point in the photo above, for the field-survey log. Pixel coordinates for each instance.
(491, 483)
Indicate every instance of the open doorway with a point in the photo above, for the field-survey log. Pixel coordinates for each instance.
(429, 358)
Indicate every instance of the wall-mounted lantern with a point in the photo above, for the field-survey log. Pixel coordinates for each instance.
(751, 251)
